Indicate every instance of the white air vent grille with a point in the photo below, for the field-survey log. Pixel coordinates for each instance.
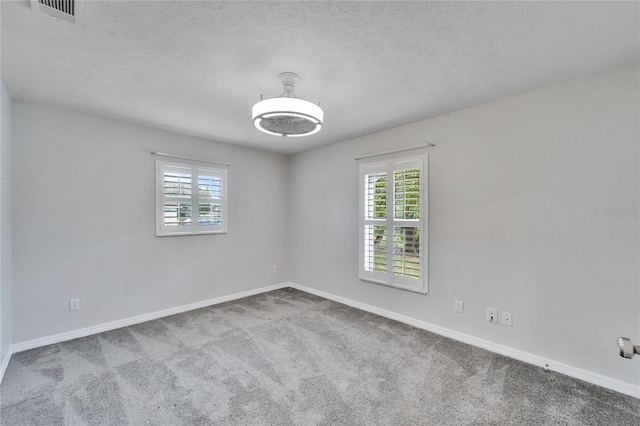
(64, 6)
(67, 10)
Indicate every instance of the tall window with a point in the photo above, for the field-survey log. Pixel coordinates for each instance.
(190, 199)
(393, 223)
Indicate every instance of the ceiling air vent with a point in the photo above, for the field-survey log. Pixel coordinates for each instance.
(66, 10)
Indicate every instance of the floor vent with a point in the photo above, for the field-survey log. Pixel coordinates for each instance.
(66, 10)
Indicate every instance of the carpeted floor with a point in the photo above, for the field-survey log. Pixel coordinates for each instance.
(290, 358)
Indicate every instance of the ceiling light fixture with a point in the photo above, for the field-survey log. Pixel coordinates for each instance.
(287, 115)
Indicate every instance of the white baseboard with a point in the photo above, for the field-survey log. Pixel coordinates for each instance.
(82, 332)
(578, 373)
(5, 364)
(568, 370)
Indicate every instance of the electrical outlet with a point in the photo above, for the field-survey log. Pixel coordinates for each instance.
(74, 304)
(506, 319)
(492, 315)
(459, 306)
(275, 268)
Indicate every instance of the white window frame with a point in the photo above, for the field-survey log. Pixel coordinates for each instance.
(388, 166)
(195, 228)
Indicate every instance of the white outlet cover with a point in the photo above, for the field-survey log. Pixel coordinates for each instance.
(459, 307)
(492, 315)
(507, 319)
(74, 304)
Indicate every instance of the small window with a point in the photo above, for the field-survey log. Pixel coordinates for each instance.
(190, 199)
(393, 223)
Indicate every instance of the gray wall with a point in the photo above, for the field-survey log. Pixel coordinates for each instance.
(83, 223)
(518, 194)
(5, 225)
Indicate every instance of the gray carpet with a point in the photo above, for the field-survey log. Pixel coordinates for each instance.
(290, 358)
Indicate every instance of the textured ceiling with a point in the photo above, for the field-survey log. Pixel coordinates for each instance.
(198, 67)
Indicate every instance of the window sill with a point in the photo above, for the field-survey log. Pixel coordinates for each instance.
(187, 234)
(399, 287)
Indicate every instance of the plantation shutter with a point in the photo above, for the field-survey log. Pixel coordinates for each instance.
(210, 194)
(177, 192)
(190, 199)
(407, 224)
(393, 223)
(375, 223)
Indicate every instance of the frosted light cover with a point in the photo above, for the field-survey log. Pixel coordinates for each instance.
(287, 116)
